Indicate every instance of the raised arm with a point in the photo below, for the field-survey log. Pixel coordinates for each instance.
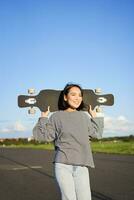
(44, 130)
(95, 125)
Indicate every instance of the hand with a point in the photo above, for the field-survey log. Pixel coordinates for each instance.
(92, 112)
(46, 113)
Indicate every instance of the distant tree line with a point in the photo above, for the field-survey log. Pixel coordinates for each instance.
(24, 141)
(121, 138)
(19, 141)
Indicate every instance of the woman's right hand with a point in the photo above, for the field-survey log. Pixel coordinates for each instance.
(46, 113)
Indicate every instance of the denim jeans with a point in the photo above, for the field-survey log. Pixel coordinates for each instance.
(73, 181)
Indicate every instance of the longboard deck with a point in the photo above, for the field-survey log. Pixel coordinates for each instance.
(50, 98)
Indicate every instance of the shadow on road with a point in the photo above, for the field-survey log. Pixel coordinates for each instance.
(27, 166)
(95, 195)
(99, 196)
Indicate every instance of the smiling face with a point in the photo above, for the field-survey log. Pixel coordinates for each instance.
(73, 98)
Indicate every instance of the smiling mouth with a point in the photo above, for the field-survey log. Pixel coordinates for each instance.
(76, 103)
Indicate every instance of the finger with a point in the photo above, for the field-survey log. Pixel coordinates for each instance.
(90, 107)
(48, 108)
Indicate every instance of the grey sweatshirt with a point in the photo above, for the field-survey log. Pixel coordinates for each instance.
(70, 132)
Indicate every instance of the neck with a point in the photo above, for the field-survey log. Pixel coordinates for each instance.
(70, 109)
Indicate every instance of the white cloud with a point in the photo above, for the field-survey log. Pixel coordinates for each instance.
(17, 126)
(113, 126)
(118, 126)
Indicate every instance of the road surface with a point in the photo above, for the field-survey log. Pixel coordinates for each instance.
(27, 174)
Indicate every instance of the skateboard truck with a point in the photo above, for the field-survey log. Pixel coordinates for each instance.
(31, 101)
(98, 91)
(99, 109)
(31, 111)
(31, 91)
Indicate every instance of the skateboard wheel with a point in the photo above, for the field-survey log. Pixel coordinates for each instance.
(31, 111)
(31, 91)
(99, 110)
(98, 90)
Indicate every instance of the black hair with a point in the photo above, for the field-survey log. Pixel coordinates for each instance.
(62, 104)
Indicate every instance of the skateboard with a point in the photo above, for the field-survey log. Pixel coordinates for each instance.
(50, 97)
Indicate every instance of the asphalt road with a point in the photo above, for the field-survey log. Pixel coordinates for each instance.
(27, 174)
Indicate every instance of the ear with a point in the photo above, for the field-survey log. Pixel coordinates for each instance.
(65, 98)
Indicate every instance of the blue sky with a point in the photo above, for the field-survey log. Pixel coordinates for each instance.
(47, 43)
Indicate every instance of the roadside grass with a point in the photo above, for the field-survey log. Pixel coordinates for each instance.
(113, 147)
(49, 146)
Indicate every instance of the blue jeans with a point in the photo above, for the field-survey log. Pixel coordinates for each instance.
(73, 181)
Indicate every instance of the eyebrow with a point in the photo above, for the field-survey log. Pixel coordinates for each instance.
(75, 93)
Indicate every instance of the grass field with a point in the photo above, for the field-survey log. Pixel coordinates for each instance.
(116, 147)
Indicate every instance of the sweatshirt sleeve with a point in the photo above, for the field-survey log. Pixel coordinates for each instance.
(95, 127)
(44, 130)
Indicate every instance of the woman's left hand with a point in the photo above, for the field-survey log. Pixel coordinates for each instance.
(92, 112)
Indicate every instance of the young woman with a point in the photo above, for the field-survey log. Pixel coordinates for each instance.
(71, 128)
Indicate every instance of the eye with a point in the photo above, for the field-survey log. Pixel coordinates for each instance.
(72, 93)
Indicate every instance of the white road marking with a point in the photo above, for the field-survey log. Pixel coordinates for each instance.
(19, 167)
(36, 167)
(29, 167)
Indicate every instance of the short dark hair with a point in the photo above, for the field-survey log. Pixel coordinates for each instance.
(62, 104)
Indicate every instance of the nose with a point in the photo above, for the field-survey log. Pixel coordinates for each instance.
(77, 98)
